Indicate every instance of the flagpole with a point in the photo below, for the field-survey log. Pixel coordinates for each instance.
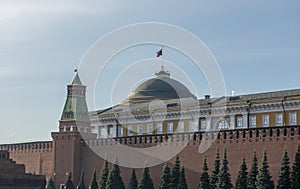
(162, 59)
(160, 53)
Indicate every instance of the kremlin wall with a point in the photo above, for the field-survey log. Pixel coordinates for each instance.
(40, 160)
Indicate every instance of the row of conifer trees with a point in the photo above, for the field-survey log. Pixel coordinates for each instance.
(220, 178)
(256, 178)
(111, 179)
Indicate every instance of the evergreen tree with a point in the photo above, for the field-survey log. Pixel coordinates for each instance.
(69, 183)
(182, 181)
(241, 181)
(224, 180)
(114, 180)
(216, 171)
(264, 179)
(165, 176)
(204, 178)
(81, 184)
(176, 172)
(94, 184)
(146, 181)
(104, 175)
(133, 183)
(51, 184)
(253, 173)
(284, 175)
(295, 177)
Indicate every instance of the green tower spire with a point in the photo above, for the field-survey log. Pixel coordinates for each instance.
(75, 114)
(76, 80)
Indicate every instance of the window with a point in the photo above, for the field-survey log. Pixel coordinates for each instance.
(112, 131)
(223, 124)
(149, 129)
(120, 131)
(252, 121)
(265, 120)
(140, 129)
(278, 119)
(180, 127)
(192, 126)
(129, 130)
(159, 128)
(203, 124)
(103, 132)
(293, 118)
(239, 121)
(170, 127)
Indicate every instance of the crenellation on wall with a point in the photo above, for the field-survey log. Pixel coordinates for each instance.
(223, 136)
(37, 156)
(28, 147)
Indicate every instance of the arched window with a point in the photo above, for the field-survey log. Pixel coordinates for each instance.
(223, 124)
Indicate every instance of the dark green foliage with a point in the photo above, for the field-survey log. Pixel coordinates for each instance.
(176, 172)
(241, 180)
(284, 175)
(133, 183)
(104, 175)
(215, 173)
(94, 184)
(172, 186)
(146, 181)
(69, 183)
(165, 176)
(51, 184)
(219, 184)
(81, 184)
(295, 177)
(224, 181)
(264, 179)
(43, 185)
(114, 180)
(204, 178)
(182, 181)
(253, 173)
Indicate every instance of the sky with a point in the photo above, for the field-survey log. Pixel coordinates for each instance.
(255, 43)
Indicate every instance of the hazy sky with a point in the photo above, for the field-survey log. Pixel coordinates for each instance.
(256, 44)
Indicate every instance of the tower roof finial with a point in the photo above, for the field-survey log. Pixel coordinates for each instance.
(76, 80)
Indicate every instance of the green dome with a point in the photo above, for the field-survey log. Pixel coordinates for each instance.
(160, 87)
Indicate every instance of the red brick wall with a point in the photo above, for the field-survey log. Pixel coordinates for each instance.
(37, 157)
(40, 161)
(237, 149)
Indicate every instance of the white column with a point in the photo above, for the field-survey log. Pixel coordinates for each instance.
(245, 120)
(232, 121)
(99, 131)
(209, 123)
(115, 131)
